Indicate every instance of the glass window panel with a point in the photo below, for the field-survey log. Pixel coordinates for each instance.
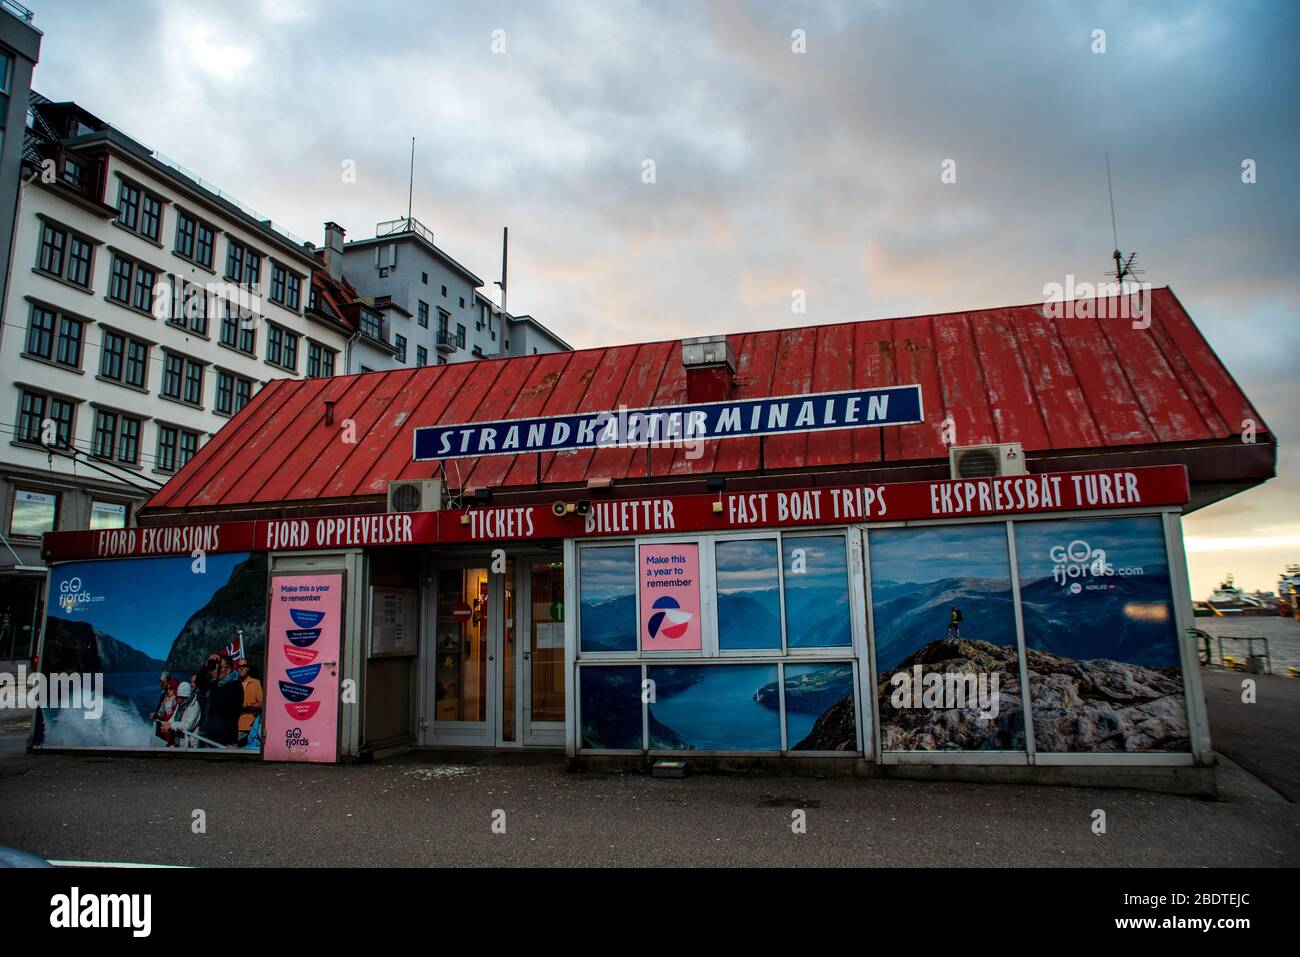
(607, 594)
(749, 594)
(817, 613)
(611, 707)
(820, 711)
(714, 708)
(460, 692)
(33, 512)
(945, 639)
(1100, 636)
(107, 515)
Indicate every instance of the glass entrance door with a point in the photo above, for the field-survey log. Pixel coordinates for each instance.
(543, 686)
(462, 657)
(495, 669)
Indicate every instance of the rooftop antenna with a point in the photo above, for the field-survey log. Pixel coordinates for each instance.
(1124, 266)
(410, 189)
(505, 259)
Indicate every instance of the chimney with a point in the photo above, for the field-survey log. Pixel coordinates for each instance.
(710, 365)
(334, 234)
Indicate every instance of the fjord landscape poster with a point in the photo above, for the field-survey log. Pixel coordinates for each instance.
(942, 609)
(1101, 641)
(130, 620)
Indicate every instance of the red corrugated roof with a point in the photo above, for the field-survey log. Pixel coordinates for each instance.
(1003, 375)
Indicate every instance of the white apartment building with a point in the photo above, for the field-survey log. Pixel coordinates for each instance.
(419, 306)
(144, 309)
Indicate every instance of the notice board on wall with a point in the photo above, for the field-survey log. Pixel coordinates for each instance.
(302, 687)
(394, 631)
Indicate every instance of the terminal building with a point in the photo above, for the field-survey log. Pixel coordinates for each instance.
(927, 542)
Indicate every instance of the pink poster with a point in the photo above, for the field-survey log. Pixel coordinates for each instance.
(302, 688)
(670, 597)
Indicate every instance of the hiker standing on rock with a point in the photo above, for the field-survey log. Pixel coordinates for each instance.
(954, 623)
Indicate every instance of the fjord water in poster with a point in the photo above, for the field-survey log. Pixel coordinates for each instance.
(302, 690)
(670, 597)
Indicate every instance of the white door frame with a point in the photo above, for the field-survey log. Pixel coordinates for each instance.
(539, 734)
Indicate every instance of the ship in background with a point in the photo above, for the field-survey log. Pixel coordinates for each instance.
(1288, 593)
(1230, 601)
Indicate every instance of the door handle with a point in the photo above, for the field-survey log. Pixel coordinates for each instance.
(526, 658)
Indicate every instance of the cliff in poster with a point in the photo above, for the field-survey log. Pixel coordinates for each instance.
(1094, 705)
(78, 646)
(238, 604)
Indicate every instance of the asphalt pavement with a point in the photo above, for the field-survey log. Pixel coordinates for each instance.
(431, 810)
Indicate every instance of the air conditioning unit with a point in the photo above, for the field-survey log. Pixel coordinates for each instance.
(983, 461)
(423, 495)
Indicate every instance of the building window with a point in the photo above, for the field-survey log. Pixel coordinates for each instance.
(243, 265)
(68, 348)
(65, 255)
(53, 243)
(185, 225)
(173, 372)
(281, 347)
(150, 216)
(239, 328)
(142, 289)
(424, 278)
(193, 311)
(165, 461)
(128, 441)
(119, 286)
(104, 442)
(444, 292)
(193, 391)
(80, 254)
(112, 350)
(195, 239)
(225, 402)
(372, 325)
(204, 243)
(243, 392)
(137, 360)
(286, 287)
(33, 410)
(128, 205)
(462, 302)
(460, 336)
(105, 514)
(34, 513)
(422, 314)
(40, 333)
(189, 446)
(607, 583)
(320, 360)
(748, 573)
(400, 342)
(421, 356)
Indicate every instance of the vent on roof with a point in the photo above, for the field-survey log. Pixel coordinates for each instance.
(424, 495)
(984, 461)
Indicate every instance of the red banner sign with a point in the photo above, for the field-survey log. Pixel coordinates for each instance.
(727, 511)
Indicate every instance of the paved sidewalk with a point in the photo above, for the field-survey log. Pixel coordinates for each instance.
(118, 808)
(1264, 737)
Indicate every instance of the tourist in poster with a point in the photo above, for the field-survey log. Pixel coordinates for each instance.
(185, 721)
(252, 699)
(166, 708)
(225, 700)
(162, 694)
(954, 623)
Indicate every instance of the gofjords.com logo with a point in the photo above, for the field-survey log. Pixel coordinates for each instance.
(75, 909)
(72, 595)
(1078, 562)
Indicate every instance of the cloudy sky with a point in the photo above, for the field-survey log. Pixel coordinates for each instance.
(773, 170)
